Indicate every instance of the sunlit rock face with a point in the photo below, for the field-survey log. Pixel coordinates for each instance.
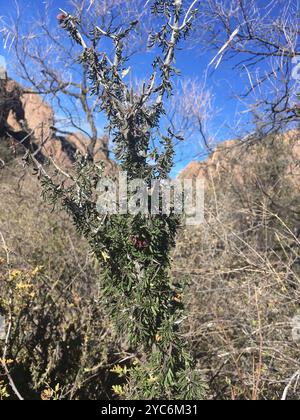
(232, 162)
(27, 115)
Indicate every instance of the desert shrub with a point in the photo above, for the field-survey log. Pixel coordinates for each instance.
(244, 264)
(134, 249)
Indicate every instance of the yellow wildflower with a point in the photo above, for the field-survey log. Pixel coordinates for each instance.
(23, 286)
(7, 361)
(118, 390)
(37, 270)
(47, 394)
(14, 275)
(119, 370)
(152, 379)
(105, 256)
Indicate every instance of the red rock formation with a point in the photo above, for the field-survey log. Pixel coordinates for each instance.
(217, 163)
(232, 161)
(30, 114)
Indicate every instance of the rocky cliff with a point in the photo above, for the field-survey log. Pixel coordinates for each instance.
(28, 119)
(235, 163)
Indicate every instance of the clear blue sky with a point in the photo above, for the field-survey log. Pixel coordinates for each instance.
(222, 82)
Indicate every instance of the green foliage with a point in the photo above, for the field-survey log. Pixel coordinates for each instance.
(134, 251)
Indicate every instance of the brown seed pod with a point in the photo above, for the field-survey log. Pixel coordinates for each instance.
(177, 298)
(139, 243)
(61, 17)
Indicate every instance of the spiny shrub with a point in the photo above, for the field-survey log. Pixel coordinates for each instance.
(134, 250)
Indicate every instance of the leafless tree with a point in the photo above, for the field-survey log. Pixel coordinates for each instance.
(191, 114)
(262, 41)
